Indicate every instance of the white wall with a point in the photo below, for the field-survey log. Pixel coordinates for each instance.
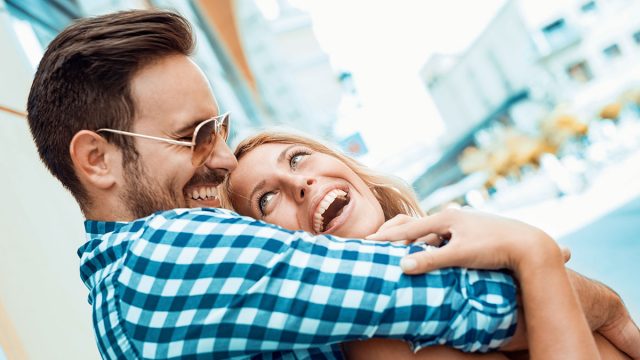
(40, 286)
(500, 63)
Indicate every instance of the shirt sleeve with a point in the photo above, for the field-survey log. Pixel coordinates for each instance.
(212, 282)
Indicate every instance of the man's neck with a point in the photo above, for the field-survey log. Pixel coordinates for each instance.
(108, 210)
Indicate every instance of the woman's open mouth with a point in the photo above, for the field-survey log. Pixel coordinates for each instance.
(329, 210)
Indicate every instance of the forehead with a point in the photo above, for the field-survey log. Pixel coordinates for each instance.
(255, 165)
(170, 93)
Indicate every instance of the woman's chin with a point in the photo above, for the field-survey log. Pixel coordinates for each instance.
(354, 233)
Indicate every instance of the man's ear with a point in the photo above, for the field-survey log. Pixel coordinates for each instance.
(96, 162)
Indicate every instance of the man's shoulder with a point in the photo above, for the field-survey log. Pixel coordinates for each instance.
(200, 221)
(196, 213)
(190, 215)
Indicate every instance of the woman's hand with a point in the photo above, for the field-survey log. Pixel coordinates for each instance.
(475, 240)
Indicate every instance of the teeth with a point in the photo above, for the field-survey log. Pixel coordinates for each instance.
(204, 193)
(323, 206)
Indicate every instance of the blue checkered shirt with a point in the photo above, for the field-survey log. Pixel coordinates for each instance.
(210, 284)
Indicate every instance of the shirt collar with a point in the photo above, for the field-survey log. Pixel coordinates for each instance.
(94, 228)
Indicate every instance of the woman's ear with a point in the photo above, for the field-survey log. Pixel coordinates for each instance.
(95, 161)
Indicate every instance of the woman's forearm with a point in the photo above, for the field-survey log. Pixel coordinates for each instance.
(384, 349)
(556, 326)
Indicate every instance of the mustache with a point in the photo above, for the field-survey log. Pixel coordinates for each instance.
(208, 176)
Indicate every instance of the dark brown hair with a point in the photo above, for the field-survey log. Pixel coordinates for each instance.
(83, 82)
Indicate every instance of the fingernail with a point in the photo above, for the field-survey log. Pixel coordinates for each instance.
(408, 264)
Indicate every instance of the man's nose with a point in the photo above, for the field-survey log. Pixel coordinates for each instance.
(303, 188)
(222, 157)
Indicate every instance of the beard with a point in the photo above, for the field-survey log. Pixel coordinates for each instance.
(143, 195)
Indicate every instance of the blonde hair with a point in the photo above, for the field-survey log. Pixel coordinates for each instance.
(393, 194)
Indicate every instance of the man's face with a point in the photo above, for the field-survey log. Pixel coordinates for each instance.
(172, 96)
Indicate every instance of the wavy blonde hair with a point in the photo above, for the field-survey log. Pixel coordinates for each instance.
(393, 194)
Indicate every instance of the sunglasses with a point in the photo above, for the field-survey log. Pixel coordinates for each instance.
(203, 141)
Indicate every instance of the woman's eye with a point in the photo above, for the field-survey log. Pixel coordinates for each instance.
(295, 160)
(263, 202)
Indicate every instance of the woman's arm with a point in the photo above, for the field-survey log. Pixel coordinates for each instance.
(556, 325)
(384, 349)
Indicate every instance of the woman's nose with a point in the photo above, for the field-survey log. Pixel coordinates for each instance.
(303, 188)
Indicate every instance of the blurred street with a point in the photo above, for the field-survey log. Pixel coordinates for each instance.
(601, 226)
(608, 250)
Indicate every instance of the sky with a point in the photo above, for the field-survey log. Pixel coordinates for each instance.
(384, 44)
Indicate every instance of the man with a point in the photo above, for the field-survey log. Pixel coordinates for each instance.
(128, 123)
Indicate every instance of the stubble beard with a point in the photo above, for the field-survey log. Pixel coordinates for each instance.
(144, 195)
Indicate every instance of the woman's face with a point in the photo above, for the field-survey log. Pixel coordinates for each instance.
(299, 189)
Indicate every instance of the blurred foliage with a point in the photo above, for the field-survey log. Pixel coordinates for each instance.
(510, 150)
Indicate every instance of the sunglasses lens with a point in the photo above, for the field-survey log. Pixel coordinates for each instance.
(206, 139)
(204, 143)
(223, 130)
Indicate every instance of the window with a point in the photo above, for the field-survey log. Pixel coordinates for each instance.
(559, 34)
(555, 27)
(612, 52)
(589, 7)
(46, 18)
(580, 72)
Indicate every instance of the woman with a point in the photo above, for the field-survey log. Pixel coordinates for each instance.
(300, 184)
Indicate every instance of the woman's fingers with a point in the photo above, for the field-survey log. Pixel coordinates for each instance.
(396, 220)
(434, 224)
(430, 259)
(431, 239)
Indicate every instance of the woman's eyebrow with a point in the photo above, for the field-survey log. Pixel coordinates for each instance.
(283, 154)
(281, 157)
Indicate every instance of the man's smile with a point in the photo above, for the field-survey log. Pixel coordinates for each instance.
(204, 192)
(202, 189)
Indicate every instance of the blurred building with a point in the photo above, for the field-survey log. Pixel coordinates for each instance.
(292, 73)
(532, 56)
(589, 48)
(479, 88)
(469, 87)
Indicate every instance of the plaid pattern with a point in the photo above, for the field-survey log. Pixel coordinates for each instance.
(208, 283)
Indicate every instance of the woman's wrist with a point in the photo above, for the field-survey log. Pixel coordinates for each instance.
(538, 252)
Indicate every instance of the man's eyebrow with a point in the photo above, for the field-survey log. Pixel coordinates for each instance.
(191, 126)
(257, 188)
(187, 128)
